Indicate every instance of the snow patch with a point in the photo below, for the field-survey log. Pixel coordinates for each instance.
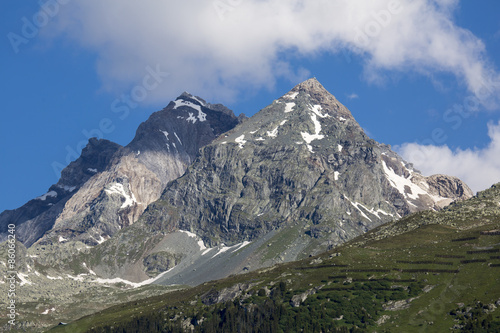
(371, 210)
(180, 102)
(178, 138)
(273, 133)
(201, 244)
(242, 245)
(201, 115)
(260, 139)
(62, 239)
(67, 188)
(316, 110)
(48, 310)
(356, 204)
(133, 284)
(92, 170)
(100, 240)
(233, 248)
(283, 122)
(191, 118)
(80, 277)
(222, 250)
(336, 174)
(117, 188)
(340, 148)
(54, 278)
(206, 251)
(90, 271)
(400, 182)
(308, 138)
(289, 107)
(52, 194)
(23, 279)
(240, 140)
(189, 233)
(165, 133)
(292, 95)
(198, 100)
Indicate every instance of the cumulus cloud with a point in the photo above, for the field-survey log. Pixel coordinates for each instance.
(479, 168)
(216, 48)
(352, 96)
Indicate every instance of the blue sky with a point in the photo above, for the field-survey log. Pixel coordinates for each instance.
(422, 75)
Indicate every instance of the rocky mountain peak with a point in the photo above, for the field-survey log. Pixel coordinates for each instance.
(117, 193)
(311, 85)
(319, 95)
(189, 97)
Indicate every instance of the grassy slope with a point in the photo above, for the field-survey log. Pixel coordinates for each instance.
(392, 252)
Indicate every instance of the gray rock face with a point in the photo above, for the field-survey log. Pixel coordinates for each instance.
(110, 186)
(38, 215)
(302, 168)
(162, 149)
(303, 158)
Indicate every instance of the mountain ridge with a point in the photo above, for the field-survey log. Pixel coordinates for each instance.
(38, 215)
(101, 199)
(201, 194)
(302, 165)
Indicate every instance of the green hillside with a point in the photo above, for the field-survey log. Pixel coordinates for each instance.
(429, 272)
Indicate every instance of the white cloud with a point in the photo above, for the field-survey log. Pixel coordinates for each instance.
(352, 96)
(478, 168)
(215, 48)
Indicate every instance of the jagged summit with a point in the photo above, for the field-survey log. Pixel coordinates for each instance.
(311, 85)
(320, 95)
(187, 96)
(307, 116)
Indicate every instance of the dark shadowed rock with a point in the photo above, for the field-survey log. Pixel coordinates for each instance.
(37, 216)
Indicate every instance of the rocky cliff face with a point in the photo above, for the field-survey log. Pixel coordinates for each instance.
(109, 187)
(38, 215)
(303, 169)
(303, 158)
